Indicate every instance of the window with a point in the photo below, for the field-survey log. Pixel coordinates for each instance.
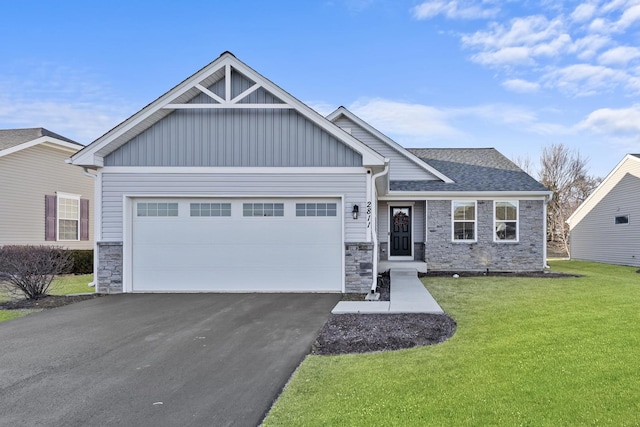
(505, 216)
(157, 209)
(464, 221)
(66, 217)
(210, 209)
(622, 219)
(263, 209)
(316, 209)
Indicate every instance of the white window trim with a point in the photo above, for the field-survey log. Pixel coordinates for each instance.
(475, 222)
(66, 196)
(517, 221)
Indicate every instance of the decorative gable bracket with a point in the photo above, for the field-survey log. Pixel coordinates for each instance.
(228, 101)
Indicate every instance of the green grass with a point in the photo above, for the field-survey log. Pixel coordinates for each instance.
(63, 285)
(527, 352)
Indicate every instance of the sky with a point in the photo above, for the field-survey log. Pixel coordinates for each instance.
(514, 75)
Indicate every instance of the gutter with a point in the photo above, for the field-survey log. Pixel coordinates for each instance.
(544, 229)
(85, 172)
(374, 225)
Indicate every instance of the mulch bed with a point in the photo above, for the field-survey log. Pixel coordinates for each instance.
(50, 301)
(364, 333)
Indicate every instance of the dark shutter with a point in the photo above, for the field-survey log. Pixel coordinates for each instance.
(50, 218)
(84, 219)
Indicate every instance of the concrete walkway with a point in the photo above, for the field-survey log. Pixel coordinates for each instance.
(408, 295)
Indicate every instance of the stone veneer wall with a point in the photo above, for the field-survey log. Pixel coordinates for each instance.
(358, 267)
(525, 255)
(109, 267)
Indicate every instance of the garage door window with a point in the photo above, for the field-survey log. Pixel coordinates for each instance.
(263, 209)
(316, 209)
(157, 209)
(210, 209)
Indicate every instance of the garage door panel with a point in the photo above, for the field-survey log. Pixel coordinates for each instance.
(237, 253)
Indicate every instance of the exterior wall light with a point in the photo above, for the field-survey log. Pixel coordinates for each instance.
(354, 212)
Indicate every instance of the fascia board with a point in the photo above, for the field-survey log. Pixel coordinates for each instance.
(51, 142)
(391, 143)
(474, 194)
(86, 156)
(596, 193)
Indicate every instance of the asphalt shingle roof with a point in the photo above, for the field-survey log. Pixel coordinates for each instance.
(471, 169)
(12, 137)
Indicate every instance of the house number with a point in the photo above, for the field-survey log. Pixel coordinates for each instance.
(368, 214)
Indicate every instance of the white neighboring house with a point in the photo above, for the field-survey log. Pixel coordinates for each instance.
(228, 183)
(43, 200)
(606, 226)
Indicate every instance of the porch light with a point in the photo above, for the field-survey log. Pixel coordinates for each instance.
(354, 212)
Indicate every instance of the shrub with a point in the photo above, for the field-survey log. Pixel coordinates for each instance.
(31, 269)
(82, 261)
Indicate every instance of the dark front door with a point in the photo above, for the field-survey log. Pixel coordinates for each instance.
(400, 239)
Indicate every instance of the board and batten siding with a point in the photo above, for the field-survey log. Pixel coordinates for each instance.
(400, 167)
(596, 237)
(417, 212)
(235, 138)
(28, 175)
(115, 185)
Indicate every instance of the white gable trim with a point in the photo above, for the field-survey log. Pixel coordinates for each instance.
(342, 111)
(597, 195)
(94, 153)
(49, 141)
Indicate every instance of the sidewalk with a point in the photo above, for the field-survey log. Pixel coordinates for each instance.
(408, 295)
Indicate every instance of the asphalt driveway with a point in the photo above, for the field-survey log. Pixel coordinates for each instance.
(156, 359)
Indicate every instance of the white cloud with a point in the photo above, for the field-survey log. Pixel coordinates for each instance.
(624, 121)
(453, 9)
(521, 86)
(406, 119)
(585, 79)
(620, 55)
(583, 12)
(588, 47)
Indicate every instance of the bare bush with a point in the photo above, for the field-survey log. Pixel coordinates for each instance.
(31, 269)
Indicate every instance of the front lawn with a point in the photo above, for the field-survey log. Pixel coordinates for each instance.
(527, 351)
(63, 285)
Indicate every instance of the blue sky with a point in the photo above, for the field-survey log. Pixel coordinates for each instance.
(514, 75)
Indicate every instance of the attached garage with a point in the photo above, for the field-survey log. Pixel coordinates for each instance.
(237, 245)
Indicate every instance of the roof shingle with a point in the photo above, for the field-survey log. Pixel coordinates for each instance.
(11, 137)
(471, 169)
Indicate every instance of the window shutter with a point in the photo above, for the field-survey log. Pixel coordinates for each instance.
(84, 219)
(50, 218)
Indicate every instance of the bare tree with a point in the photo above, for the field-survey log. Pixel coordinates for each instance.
(31, 269)
(564, 172)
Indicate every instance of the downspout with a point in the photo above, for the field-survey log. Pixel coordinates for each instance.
(85, 172)
(547, 199)
(374, 223)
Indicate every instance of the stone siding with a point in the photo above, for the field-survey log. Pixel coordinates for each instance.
(358, 267)
(109, 267)
(441, 254)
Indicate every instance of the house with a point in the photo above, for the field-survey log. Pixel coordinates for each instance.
(606, 226)
(229, 183)
(43, 200)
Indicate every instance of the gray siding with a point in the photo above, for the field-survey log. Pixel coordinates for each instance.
(115, 185)
(400, 168)
(25, 178)
(597, 238)
(444, 255)
(229, 137)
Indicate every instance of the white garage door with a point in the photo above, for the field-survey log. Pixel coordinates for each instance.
(200, 245)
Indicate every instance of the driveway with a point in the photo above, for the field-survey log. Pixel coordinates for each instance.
(156, 359)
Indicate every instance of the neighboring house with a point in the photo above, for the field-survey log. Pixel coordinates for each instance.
(228, 183)
(43, 200)
(606, 226)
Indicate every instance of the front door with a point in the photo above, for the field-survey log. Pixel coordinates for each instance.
(400, 241)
